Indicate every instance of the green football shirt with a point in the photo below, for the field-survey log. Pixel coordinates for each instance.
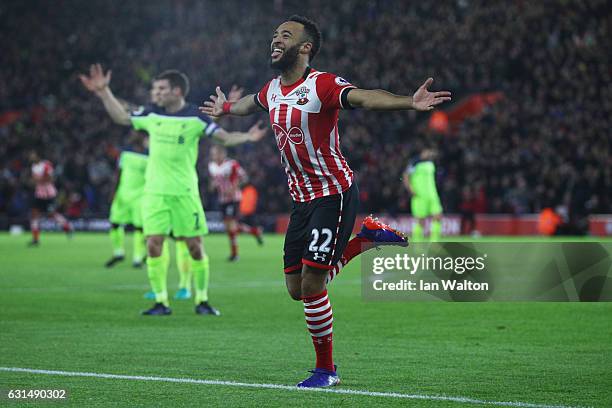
(133, 167)
(423, 178)
(173, 147)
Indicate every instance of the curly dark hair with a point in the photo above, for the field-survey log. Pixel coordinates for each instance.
(313, 34)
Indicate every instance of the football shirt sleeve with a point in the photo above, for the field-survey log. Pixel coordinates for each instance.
(121, 161)
(261, 97)
(333, 91)
(410, 168)
(140, 117)
(209, 127)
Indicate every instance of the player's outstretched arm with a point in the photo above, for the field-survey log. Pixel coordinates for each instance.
(377, 99)
(98, 83)
(219, 106)
(255, 133)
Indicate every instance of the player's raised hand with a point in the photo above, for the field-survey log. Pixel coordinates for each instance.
(423, 100)
(214, 108)
(97, 80)
(235, 94)
(257, 131)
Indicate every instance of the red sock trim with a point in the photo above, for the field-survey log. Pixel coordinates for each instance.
(313, 298)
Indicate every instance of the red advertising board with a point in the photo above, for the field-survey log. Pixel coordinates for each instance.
(486, 224)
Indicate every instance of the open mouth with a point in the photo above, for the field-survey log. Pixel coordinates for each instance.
(276, 53)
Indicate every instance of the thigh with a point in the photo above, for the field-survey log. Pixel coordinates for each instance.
(188, 218)
(136, 212)
(119, 212)
(155, 214)
(419, 207)
(435, 206)
(295, 238)
(329, 228)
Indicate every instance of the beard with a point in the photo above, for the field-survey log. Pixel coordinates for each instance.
(287, 60)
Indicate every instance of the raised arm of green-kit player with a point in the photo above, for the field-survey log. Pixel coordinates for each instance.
(98, 83)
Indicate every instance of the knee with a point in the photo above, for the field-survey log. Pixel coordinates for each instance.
(313, 281)
(195, 248)
(154, 246)
(293, 281)
(295, 293)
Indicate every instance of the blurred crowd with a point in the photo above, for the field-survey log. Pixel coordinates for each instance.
(546, 143)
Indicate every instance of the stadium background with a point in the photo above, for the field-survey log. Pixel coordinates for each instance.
(528, 127)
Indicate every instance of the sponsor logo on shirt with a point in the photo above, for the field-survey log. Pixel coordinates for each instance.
(294, 136)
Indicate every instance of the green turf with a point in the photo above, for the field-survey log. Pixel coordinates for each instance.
(61, 310)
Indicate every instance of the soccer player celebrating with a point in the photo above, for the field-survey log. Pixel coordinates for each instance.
(420, 180)
(227, 177)
(303, 106)
(171, 199)
(126, 208)
(44, 198)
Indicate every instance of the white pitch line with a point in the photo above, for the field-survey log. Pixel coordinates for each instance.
(284, 387)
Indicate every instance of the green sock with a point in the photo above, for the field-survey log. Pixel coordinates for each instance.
(417, 232)
(157, 270)
(165, 255)
(436, 230)
(200, 275)
(117, 236)
(183, 264)
(139, 246)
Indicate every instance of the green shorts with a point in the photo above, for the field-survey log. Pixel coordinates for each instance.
(126, 210)
(182, 215)
(425, 206)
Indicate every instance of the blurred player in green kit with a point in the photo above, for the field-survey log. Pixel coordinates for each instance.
(126, 208)
(420, 180)
(171, 201)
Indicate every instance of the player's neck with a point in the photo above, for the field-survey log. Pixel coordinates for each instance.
(294, 74)
(175, 107)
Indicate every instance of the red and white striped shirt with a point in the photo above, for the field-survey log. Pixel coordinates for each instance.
(304, 118)
(226, 178)
(42, 173)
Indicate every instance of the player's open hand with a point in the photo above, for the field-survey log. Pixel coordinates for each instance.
(423, 100)
(257, 131)
(97, 81)
(214, 107)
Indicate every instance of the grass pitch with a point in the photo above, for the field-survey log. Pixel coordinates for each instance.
(62, 310)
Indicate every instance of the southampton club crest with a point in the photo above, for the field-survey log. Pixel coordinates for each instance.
(302, 93)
